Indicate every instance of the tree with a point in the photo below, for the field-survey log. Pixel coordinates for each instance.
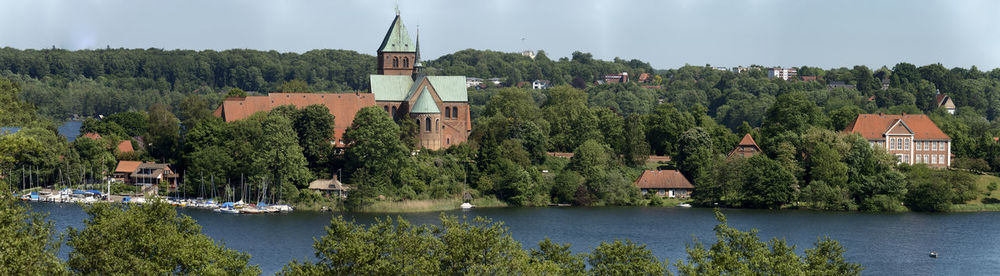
(664, 128)
(572, 122)
(14, 111)
(236, 92)
(27, 240)
(163, 133)
(560, 254)
(294, 86)
(152, 238)
(280, 154)
(793, 112)
(194, 108)
(375, 152)
(636, 149)
(743, 253)
(766, 184)
(874, 184)
(314, 125)
(383, 248)
(624, 258)
(695, 155)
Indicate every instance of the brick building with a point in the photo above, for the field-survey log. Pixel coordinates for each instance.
(438, 104)
(913, 139)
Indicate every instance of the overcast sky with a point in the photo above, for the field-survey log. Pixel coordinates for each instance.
(667, 34)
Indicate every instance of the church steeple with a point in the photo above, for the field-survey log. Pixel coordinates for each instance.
(397, 54)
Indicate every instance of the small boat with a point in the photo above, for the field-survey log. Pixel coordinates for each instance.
(685, 205)
(467, 205)
(933, 254)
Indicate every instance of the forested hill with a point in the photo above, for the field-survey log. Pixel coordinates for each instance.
(105, 81)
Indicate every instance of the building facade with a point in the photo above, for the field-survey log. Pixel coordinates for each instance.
(782, 73)
(912, 139)
(438, 104)
(664, 183)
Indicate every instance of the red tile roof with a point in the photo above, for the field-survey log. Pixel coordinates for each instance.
(747, 141)
(665, 179)
(343, 106)
(125, 146)
(939, 98)
(874, 126)
(127, 166)
(92, 135)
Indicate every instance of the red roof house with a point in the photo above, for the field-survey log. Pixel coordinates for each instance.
(913, 139)
(746, 148)
(669, 183)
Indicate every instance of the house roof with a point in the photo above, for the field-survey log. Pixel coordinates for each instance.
(390, 87)
(127, 166)
(664, 179)
(748, 141)
(944, 100)
(425, 103)
(874, 126)
(328, 185)
(125, 146)
(397, 39)
(450, 88)
(343, 106)
(92, 135)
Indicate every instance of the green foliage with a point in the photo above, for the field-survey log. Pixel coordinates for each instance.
(27, 244)
(624, 258)
(163, 133)
(14, 111)
(932, 190)
(152, 238)
(742, 253)
(375, 153)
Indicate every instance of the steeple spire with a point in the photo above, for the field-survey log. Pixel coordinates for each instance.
(417, 58)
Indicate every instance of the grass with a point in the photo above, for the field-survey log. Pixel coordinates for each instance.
(429, 205)
(977, 205)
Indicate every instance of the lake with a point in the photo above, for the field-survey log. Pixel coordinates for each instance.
(895, 244)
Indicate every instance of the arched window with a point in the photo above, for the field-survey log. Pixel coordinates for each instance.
(428, 125)
(393, 111)
(437, 122)
(418, 124)
(395, 62)
(454, 112)
(386, 108)
(406, 62)
(447, 141)
(447, 112)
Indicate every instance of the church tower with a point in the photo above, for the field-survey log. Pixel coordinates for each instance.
(398, 54)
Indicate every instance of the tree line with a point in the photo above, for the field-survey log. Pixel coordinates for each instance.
(152, 238)
(696, 115)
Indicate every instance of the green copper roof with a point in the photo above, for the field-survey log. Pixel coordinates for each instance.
(390, 88)
(397, 39)
(425, 104)
(450, 88)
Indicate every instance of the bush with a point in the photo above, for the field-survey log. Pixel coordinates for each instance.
(972, 164)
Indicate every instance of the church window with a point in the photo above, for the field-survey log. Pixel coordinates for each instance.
(437, 122)
(454, 112)
(428, 126)
(386, 108)
(406, 62)
(393, 111)
(395, 62)
(447, 112)
(418, 124)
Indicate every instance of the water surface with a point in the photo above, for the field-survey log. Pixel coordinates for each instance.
(894, 244)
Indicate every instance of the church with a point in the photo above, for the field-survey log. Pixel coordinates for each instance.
(438, 104)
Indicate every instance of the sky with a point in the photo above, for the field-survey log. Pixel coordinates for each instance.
(667, 34)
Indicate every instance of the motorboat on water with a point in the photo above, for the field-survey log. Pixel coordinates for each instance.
(467, 205)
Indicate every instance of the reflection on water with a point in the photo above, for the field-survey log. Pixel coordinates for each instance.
(895, 244)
